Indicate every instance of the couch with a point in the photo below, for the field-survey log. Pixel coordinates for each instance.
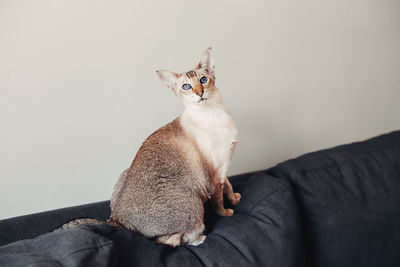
(336, 207)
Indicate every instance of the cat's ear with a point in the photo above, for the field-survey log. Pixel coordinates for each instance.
(170, 78)
(207, 62)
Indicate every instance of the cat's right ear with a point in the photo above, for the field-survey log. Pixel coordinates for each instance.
(170, 78)
(207, 62)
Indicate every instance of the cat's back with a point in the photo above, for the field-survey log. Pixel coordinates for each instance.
(162, 140)
(159, 155)
(168, 171)
(165, 152)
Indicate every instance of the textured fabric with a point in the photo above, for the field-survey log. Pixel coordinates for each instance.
(264, 231)
(77, 247)
(30, 226)
(349, 202)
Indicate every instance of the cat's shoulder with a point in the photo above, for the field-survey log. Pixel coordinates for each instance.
(169, 132)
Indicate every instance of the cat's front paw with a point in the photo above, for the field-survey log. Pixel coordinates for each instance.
(225, 212)
(236, 198)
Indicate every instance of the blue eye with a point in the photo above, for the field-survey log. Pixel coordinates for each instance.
(186, 86)
(203, 80)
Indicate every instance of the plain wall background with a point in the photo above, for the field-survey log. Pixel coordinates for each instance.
(79, 92)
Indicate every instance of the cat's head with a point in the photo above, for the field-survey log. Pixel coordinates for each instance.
(197, 86)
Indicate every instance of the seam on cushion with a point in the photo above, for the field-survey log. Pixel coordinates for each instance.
(344, 162)
(92, 247)
(44, 261)
(270, 222)
(195, 255)
(283, 185)
(232, 245)
(293, 179)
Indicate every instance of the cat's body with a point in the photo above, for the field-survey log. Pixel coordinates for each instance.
(181, 165)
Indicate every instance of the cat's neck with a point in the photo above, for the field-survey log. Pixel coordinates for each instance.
(212, 112)
(214, 131)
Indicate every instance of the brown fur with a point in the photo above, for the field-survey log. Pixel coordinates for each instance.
(191, 74)
(162, 194)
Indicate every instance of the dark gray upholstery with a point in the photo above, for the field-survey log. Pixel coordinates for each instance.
(349, 200)
(264, 231)
(32, 225)
(335, 207)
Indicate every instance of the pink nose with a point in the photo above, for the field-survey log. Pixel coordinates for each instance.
(200, 93)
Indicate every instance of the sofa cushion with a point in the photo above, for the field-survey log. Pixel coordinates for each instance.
(349, 202)
(264, 231)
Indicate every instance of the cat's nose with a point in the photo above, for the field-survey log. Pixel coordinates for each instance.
(200, 93)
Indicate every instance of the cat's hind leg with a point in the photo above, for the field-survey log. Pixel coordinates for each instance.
(234, 198)
(195, 237)
(172, 240)
(198, 241)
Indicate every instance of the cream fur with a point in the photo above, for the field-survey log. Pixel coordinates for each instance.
(179, 166)
(205, 117)
(214, 131)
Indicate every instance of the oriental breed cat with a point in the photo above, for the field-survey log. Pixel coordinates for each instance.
(179, 166)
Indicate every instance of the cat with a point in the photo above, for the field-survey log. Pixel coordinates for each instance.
(179, 166)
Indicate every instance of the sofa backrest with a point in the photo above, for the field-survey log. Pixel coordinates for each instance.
(349, 202)
(32, 225)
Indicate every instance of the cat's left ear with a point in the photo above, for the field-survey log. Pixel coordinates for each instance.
(207, 62)
(170, 78)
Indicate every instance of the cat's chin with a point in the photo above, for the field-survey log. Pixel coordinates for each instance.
(196, 103)
(202, 101)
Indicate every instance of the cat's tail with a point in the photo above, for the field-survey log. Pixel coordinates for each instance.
(86, 221)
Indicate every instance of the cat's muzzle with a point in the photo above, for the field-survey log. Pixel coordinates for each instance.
(202, 99)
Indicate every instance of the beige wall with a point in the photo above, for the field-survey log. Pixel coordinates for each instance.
(79, 93)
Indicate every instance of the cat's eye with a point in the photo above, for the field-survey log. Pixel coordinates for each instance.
(186, 86)
(203, 80)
